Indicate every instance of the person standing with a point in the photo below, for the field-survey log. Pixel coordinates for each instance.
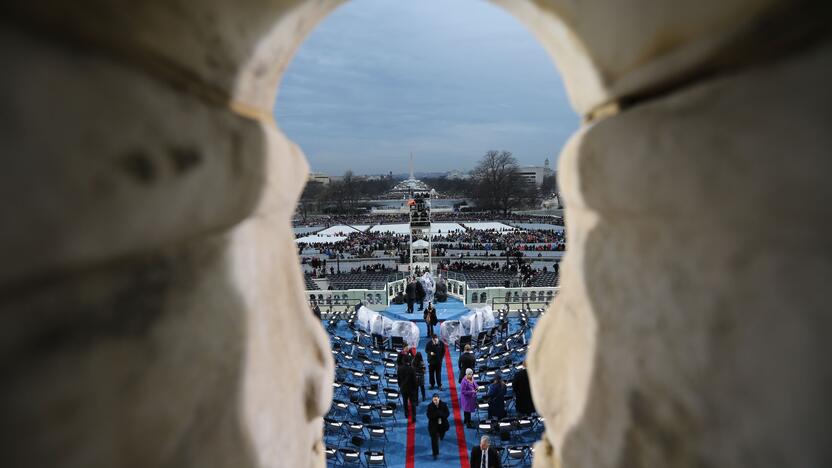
(441, 294)
(469, 396)
(410, 295)
(496, 401)
(437, 413)
(407, 387)
(466, 361)
(435, 351)
(419, 368)
(420, 294)
(317, 310)
(523, 392)
(406, 351)
(430, 318)
(484, 455)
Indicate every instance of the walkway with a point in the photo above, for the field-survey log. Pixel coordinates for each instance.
(454, 450)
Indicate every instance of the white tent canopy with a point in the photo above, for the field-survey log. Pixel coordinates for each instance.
(318, 239)
(394, 228)
(539, 226)
(444, 228)
(404, 228)
(421, 244)
(482, 226)
(338, 230)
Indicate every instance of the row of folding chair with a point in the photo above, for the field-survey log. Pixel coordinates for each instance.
(359, 408)
(516, 455)
(347, 372)
(372, 393)
(511, 425)
(500, 359)
(482, 406)
(348, 316)
(345, 438)
(362, 404)
(337, 432)
(508, 342)
(345, 456)
(486, 374)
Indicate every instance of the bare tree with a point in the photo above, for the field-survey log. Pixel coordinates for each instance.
(349, 187)
(497, 181)
(529, 195)
(312, 194)
(550, 185)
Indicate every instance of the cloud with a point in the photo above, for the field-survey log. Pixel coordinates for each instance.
(445, 80)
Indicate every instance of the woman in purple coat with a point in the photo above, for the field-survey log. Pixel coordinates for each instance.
(469, 396)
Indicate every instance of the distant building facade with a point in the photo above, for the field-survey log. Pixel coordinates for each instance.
(535, 174)
(317, 177)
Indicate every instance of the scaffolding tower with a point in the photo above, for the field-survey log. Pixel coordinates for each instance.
(420, 239)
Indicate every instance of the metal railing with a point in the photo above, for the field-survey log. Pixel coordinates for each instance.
(511, 298)
(373, 298)
(531, 306)
(382, 295)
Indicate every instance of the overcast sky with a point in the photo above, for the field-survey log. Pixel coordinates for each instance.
(445, 79)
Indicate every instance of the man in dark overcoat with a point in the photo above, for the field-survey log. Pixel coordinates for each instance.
(411, 295)
(408, 386)
(435, 351)
(437, 422)
(523, 392)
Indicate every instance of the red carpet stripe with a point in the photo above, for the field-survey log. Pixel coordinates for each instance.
(410, 459)
(460, 431)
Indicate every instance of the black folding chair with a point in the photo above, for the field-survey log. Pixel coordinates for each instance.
(375, 458)
(340, 408)
(463, 340)
(331, 455)
(377, 432)
(350, 457)
(485, 427)
(334, 428)
(379, 341)
(365, 412)
(387, 412)
(397, 343)
(518, 454)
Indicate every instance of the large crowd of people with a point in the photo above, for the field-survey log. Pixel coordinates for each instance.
(369, 244)
(520, 269)
(320, 269)
(360, 245)
(458, 251)
(473, 239)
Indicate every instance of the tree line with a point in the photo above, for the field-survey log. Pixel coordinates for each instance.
(342, 196)
(494, 185)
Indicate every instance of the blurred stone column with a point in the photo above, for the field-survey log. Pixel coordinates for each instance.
(691, 328)
(152, 307)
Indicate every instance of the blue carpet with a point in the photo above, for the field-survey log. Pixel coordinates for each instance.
(450, 310)
(448, 448)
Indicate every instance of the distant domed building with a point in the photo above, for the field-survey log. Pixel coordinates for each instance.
(410, 185)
